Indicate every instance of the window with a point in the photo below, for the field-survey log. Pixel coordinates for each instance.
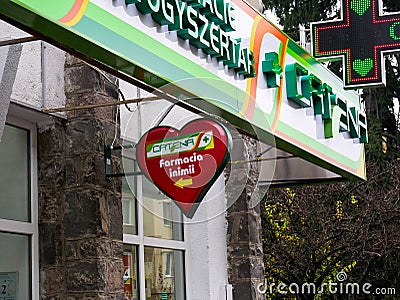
(154, 235)
(14, 180)
(18, 213)
(15, 279)
(154, 245)
(128, 207)
(130, 272)
(164, 274)
(162, 218)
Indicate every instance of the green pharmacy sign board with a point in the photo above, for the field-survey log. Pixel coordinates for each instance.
(205, 24)
(360, 39)
(223, 57)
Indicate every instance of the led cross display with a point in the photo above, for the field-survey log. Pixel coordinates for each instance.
(360, 38)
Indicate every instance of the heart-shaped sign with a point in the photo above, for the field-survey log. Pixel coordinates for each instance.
(185, 163)
(360, 6)
(363, 66)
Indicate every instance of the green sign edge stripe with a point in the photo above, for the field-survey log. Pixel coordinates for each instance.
(51, 8)
(87, 27)
(347, 172)
(285, 128)
(291, 130)
(50, 28)
(155, 59)
(45, 21)
(112, 23)
(96, 11)
(310, 141)
(99, 35)
(336, 57)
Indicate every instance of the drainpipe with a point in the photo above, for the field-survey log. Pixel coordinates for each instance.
(43, 72)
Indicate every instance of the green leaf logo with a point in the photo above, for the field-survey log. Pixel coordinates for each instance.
(360, 6)
(363, 66)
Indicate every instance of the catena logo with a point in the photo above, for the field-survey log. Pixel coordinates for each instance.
(192, 142)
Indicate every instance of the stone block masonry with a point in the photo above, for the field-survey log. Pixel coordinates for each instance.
(244, 238)
(80, 213)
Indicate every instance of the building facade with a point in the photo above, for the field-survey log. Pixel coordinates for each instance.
(73, 233)
(79, 220)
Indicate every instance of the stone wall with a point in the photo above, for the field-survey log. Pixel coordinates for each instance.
(244, 238)
(80, 213)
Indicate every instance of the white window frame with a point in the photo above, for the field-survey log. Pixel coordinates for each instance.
(142, 241)
(28, 228)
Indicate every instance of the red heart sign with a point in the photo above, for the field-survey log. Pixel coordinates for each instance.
(185, 163)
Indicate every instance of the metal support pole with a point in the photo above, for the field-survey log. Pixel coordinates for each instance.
(97, 105)
(18, 41)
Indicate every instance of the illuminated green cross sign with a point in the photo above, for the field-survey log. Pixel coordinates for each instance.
(360, 38)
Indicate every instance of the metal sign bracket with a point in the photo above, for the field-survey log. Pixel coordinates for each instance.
(108, 161)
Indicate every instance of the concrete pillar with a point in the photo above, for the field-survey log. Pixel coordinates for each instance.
(80, 223)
